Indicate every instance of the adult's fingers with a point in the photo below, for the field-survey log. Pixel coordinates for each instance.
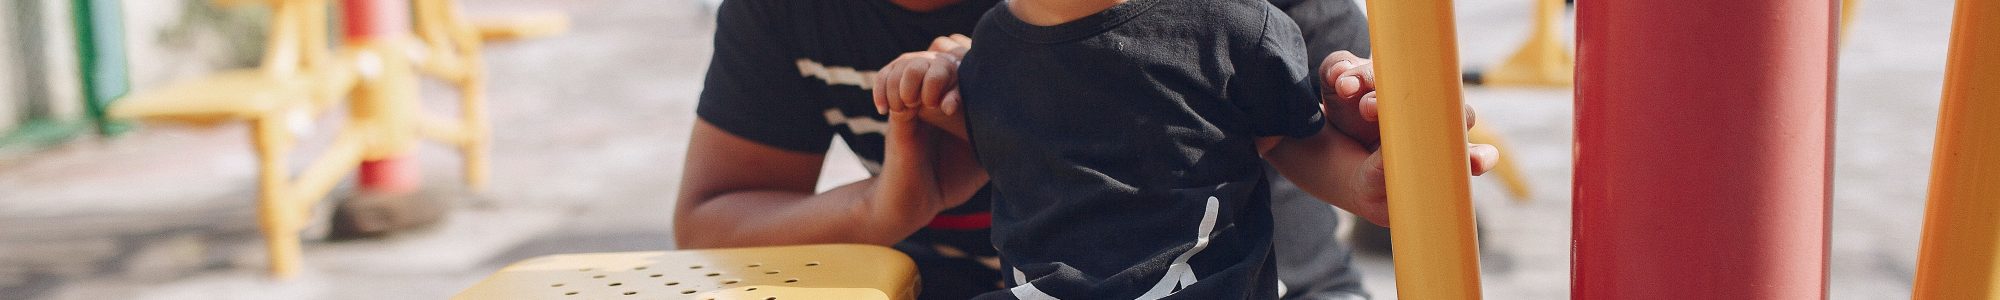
(962, 40)
(937, 80)
(940, 44)
(951, 102)
(964, 44)
(944, 44)
(1483, 157)
(956, 44)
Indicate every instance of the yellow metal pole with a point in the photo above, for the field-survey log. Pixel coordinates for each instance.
(1423, 149)
(1962, 222)
(277, 215)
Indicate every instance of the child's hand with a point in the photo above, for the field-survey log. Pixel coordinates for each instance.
(923, 79)
(1348, 93)
(925, 83)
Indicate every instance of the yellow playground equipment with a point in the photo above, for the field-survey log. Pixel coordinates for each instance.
(1544, 60)
(1960, 234)
(374, 75)
(831, 272)
(1423, 133)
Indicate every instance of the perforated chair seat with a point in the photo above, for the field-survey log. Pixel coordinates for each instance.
(765, 273)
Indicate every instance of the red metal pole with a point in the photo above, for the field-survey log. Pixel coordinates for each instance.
(375, 18)
(368, 21)
(1703, 149)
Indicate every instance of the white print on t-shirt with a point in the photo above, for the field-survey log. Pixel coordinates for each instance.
(860, 125)
(1179, 274)
(837, 75)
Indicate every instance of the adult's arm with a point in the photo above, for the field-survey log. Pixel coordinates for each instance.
(736, 192)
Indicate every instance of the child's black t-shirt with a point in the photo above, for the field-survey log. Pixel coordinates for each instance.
(1121, 146)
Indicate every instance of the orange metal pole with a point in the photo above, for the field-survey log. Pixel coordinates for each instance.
(1423, 149)
(1962, 222)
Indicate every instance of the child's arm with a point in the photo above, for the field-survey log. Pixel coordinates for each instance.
(1333, 168)
(1342, 168)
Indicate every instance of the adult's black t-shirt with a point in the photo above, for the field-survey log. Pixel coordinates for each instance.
(791, 74)
(1122, 146)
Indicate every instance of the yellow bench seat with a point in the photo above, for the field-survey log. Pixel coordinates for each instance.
(835, 272)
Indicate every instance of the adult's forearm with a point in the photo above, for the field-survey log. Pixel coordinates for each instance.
(766, 218)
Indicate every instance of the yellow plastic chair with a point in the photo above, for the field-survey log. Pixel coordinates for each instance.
(833, 272)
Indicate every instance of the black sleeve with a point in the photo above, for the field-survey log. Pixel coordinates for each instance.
(1328, 26)
(1273, 85)
(753, 88)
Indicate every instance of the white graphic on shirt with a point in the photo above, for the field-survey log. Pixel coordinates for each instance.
(837, 75)
(860, 125)
(1179, 274)
(1027, 291)
(1281, 288)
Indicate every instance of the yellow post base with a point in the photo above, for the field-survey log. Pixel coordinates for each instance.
(1544, 60)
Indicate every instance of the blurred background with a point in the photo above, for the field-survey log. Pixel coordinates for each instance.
(590, 128)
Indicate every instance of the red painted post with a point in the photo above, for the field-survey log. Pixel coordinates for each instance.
(373, 20)
(1703, 149)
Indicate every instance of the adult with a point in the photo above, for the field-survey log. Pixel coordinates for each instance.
(789, 75)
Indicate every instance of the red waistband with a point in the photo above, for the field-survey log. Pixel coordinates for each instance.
(971, 221)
